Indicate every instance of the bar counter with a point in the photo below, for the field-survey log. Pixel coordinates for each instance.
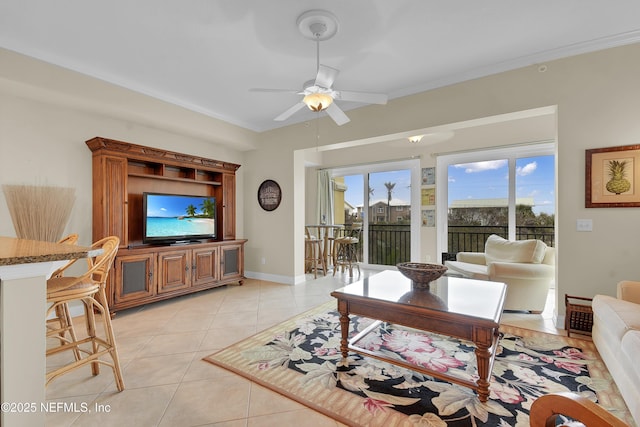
(19, 251)
(25, 266)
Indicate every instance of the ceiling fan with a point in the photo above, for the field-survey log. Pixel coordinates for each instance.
(319, 94)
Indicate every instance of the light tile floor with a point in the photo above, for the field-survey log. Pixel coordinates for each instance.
(161, 347)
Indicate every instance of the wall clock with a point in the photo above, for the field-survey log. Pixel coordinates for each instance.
(269, 195)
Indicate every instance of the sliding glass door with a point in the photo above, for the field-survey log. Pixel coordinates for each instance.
(382, 197)
(389, 237)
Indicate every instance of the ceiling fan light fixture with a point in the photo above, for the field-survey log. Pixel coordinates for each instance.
(317, 101)
(415, 139)
(318, 94)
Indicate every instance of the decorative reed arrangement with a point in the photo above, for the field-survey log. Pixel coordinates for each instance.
(39, 212)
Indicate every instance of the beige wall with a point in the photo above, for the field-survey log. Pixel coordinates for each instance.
(44, 144)
(597, 97)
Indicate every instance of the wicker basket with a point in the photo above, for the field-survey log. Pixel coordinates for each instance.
(421, 274)
(578, 316)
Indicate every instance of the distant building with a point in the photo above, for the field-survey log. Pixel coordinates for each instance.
(351, 213)
(399, 212)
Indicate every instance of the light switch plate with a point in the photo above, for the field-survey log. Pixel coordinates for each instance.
(584, 225)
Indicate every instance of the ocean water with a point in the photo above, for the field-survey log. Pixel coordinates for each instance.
(160, 227)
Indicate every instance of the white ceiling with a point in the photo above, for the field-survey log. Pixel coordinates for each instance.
(205, 55)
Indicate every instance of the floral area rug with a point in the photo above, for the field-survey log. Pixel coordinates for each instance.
(300, 359)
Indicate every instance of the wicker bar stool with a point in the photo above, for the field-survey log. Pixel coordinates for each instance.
(313, 254)
(90, 289)
(345, 255)
(62, 322)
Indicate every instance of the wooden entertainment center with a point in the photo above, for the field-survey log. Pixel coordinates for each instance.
(144, 273)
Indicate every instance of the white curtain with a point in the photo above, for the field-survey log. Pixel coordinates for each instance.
(325, 197)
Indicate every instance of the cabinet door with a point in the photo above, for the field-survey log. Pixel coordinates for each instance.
(110, 198)
(174, 270)
(231, 261)
(205, 266)
(133, 277)
(228, 206)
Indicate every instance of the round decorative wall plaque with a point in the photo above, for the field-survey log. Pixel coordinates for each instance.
(269, 195)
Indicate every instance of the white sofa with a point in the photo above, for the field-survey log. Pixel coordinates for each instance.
(526, 266)
(616, 334)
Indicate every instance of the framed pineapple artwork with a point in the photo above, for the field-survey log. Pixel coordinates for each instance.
(613, 177)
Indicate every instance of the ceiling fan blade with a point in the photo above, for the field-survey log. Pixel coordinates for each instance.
(337, 114)
(289, 112)
(326, 76)
(364, 97)
(259, 89)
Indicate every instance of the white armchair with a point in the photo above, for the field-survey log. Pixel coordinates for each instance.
(526, 266)
(629, 290)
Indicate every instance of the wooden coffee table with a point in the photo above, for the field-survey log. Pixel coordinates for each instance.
(462, 308)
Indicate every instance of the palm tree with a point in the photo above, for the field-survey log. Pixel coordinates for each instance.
(191, 210)
(389, 186)
(369, 209)
(208, 207)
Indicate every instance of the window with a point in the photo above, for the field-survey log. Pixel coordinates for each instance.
(508, 191)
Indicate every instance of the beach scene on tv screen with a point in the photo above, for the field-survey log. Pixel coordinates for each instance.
(169, 216)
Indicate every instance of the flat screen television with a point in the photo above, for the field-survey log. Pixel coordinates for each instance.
(173, 218)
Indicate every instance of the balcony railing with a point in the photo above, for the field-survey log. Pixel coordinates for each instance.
(390, 244)
(464, 238)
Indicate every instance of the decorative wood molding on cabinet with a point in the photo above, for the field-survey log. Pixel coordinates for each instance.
(144, 273)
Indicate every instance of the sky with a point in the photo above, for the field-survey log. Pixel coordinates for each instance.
(489, 180)
(481, 180)
(401, 191)
(172, 206)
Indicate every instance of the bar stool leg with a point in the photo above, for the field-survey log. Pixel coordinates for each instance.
(311, 259)
(314, 256)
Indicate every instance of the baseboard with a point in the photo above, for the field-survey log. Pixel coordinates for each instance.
(558, 319)
(288, 280)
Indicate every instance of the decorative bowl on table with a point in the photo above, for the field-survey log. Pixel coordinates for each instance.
(423, 297)
(421, 274)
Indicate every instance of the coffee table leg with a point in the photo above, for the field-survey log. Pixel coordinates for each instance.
(343, 309)
(483, 358)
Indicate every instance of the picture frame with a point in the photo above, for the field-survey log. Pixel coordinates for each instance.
(428, 196)
(428, 176)
(269, 195)
(428, 217)
(613, 177)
